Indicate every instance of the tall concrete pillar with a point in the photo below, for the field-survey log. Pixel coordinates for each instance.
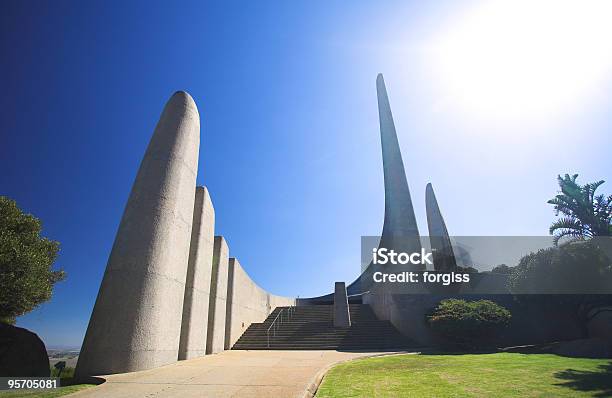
(229, 303)
(217, 306)
(136, 320)
(400, 230)
(197, 287)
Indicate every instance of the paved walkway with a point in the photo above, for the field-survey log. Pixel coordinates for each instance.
(228, 374)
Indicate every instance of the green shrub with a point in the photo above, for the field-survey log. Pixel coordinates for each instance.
(468, 324)
(573, 268)
(26, 262)
(572, 280)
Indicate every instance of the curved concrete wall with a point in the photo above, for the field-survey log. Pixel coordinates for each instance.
(246, 303)
(169, 291)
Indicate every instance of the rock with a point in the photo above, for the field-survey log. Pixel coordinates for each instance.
(600, 324)
(584, 348)
(22, 353)
(581, 348)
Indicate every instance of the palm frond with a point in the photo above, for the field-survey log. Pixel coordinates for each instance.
(586, 214)
(568, 223)
(573, 235)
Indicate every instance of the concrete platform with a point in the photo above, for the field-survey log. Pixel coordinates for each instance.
(229, 374)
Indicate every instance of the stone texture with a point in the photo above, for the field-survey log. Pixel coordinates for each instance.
(215, 338)
(136, 319)
(443, 255)
(246, 303)
(197, 287)
(22, 353)
(342, 316)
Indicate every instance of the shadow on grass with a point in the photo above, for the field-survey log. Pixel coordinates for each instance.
(457, 351)
(598, 382)
(426, 351)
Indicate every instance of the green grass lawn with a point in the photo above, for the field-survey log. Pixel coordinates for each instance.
(58, 392)
(473, 375)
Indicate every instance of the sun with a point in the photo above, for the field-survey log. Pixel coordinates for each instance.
(523, 59)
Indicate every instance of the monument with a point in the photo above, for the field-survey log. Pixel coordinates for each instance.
(169, 291)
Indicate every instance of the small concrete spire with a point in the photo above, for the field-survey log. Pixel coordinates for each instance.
(443, 255)
(136, 320)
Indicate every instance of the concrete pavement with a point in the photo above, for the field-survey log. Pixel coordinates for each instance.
(228, 374)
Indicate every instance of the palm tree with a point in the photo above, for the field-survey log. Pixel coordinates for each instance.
(586, 215)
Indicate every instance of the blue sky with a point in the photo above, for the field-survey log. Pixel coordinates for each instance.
(289, 140)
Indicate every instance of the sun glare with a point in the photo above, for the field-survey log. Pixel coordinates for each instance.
(523, 59)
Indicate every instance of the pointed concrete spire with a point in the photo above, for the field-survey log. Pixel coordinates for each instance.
(136, 320)
(400, 230)
(400, 220)
(443, 255)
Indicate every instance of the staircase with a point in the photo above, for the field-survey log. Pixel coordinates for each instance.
(311, 328)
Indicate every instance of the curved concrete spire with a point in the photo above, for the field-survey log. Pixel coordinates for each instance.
(443, 255)
(400, 220)
(400, 230)
(136, 320)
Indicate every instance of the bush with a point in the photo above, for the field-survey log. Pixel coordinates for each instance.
(573, 268)
(26, 260)
(572, 279)
(468, 324)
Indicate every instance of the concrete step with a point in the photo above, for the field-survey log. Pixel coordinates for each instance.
(321, 331)
(298, 339)
(337, 343)
(330, 323)
(397, 342)
(311, 328)
(372, 347)
(328, 329)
